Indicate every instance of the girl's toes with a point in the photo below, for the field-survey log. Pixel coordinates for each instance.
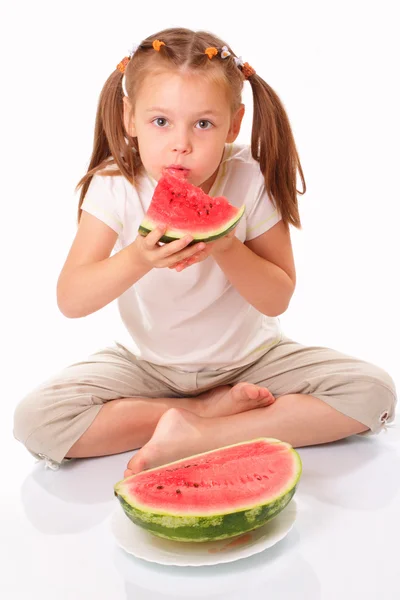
(254, 392)
(270, 398)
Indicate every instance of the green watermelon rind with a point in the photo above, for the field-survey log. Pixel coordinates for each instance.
(204, 528)
(171, 235)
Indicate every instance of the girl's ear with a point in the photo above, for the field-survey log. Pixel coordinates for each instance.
(235, 125)
(128, 117)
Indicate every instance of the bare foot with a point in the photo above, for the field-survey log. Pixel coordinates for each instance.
(226, 400)
(179, 433)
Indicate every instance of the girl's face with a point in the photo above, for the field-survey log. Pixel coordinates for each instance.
(182, 120)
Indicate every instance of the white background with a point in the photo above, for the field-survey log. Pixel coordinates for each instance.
(334, 66)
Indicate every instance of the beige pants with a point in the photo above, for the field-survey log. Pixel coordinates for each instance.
(56, 414)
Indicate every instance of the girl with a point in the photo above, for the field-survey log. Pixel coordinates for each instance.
(208, 365)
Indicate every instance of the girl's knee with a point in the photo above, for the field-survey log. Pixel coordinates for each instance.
(27, 417)
(383, 384)
(381, 398)
(52, 414)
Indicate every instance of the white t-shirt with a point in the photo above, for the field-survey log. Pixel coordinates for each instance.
(193, 320)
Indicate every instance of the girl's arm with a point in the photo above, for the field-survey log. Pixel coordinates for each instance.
(262, 270)
(90, 277)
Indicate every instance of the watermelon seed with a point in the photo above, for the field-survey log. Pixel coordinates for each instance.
(208, 212)
(196, 485)
(258, 477)
(178, 492)
(160, 487)
(210, 205)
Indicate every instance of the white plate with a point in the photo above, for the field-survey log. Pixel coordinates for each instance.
(140, 543)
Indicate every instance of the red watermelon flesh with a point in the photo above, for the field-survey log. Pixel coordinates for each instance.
(233, 477)
(186, 209)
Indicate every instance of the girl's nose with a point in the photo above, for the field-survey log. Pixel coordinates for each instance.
(181, 143)
(181, 148)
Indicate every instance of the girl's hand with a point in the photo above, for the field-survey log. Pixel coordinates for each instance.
(220, 245)
(154, 255)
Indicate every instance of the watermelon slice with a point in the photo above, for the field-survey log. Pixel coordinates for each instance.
(186, 209)
(213, 495)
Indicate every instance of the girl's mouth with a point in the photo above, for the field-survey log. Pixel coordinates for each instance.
(177, 170)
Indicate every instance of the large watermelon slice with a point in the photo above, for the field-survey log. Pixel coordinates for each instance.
(186, 209)
(213, 495)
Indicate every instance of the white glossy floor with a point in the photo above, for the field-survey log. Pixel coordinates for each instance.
(56, 540)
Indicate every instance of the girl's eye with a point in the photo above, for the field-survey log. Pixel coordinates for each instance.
(204, 124)
(160, 121)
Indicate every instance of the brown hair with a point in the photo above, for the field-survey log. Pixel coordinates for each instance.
(272, 141)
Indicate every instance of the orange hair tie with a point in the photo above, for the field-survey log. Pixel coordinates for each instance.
(157, 45)
(122, 65)
(211, 52)
(247, 70)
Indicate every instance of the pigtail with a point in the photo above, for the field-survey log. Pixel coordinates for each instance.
(110, 138)
(273, 146)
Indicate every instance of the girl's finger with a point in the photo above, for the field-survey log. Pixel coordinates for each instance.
(183, 254)
(191, 260)
(180, 263)
(177, 246)
(154, 236)
(181, 266)
(188, 262)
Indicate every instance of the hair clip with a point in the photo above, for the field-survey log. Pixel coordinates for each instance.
(124, 62)
(247, 70)
(211, 52)
(157, 45)
(121, 66)
(225, 52)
